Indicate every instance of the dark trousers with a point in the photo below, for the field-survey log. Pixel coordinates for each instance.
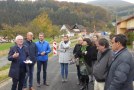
(78, 72)
(29, 74)
(84, 79)
(39, 65)
(19, 82)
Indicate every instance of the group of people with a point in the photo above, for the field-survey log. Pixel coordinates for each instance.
(110, 66)
(85, 53)
(27, 50)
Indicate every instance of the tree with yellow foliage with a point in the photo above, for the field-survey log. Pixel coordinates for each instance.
(43, 24)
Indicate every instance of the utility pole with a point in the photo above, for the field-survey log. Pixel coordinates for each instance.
(116, 15)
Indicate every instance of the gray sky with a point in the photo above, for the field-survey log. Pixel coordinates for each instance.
(84, 1)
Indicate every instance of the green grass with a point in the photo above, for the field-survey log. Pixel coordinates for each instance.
(47, 39)
(4, 72)
(5, 67)
(5, 46)
(130, 46)
(3, 77)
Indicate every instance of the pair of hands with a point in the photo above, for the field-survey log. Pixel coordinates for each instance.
(15, 55)
(43, 53)
(85, 52)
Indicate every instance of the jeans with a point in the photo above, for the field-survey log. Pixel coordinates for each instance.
(39, 65)
(19, 82)
(64, 70)
(29, 74)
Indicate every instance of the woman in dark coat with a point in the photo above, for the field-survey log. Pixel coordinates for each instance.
(88, 55)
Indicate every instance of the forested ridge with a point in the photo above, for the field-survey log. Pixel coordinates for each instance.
(14, 12)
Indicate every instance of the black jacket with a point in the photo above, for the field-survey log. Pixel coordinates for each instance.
(77, 50)
(32, 49)
(91, 55)
(16, 65)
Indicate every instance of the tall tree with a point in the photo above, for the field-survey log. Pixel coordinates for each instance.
(43, 23)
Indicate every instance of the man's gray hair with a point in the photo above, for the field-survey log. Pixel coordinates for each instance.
(17, 37)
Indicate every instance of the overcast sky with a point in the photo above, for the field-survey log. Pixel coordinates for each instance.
(84, 1)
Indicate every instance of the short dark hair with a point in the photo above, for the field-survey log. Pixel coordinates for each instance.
(122, 39)
(42, 34)
(89, 42)
(103, 42)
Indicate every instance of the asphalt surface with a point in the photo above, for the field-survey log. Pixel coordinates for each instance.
(53, 78)
(4, 61)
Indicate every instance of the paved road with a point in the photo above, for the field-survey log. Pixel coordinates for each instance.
(54, 78)
(4, 61)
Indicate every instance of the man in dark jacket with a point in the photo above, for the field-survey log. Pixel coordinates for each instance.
(100, 68)
(76, 50)
(32, 55)
(17, 55)
(121, 70)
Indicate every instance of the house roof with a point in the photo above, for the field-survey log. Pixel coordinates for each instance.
(67, 26)
(80, 27)
(126, 19)
(76, 26)
(130, 28)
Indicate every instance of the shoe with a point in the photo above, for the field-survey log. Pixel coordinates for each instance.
(38, 84)
(65, 80)
(84, 87)
(46, 84)
(78, 83)
(31, 88)
(24, 89)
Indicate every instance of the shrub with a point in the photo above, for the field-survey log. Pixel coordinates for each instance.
(130, 36)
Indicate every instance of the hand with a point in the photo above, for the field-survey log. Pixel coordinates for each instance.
(15, 55)
(43, 53)
(85, 52)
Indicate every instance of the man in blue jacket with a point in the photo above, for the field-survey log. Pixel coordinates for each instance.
(42, 59)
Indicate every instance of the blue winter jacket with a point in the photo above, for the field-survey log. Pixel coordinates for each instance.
(43, 47)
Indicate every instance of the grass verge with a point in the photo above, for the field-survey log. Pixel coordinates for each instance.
(5, 46)
(4, 73)
(5, 67)
(3, 78)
